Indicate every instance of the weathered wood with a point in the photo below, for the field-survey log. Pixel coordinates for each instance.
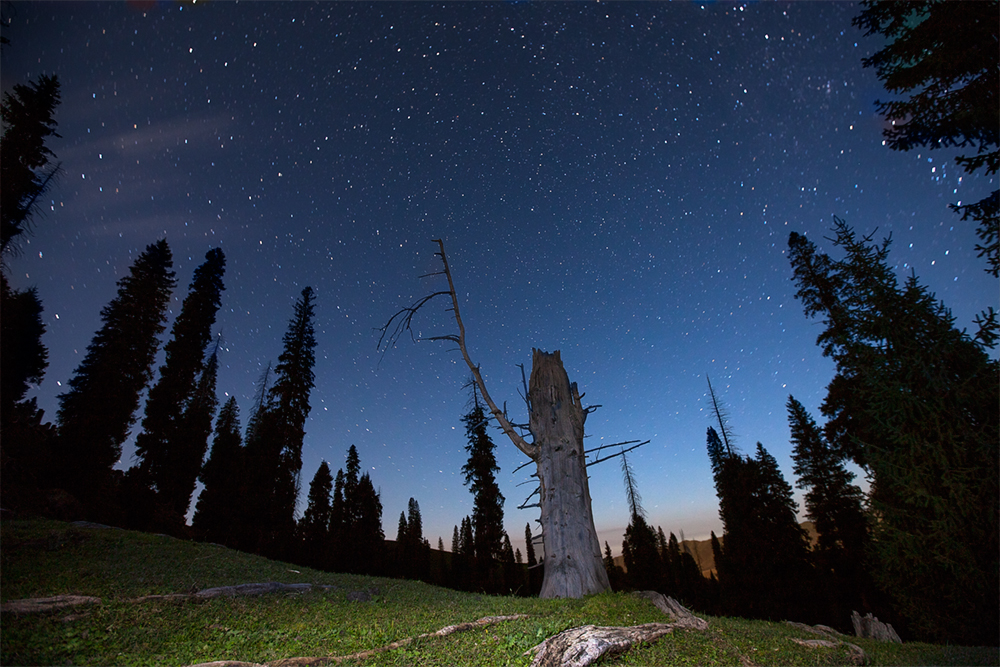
(584, 645)
(671, 607)
(49, 604)
(573, 563)
(870, 627)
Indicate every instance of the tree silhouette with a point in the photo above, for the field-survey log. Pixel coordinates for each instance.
(314, 527)
(95, 414)
(275, 436)
(487, 507)
(642, 571)
(941, 58)
(26, 171)
(914, 399)
(835, 506)
(217, 512)
(165, 453)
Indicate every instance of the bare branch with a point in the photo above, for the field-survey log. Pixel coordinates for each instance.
(625, 451)
(402, 321)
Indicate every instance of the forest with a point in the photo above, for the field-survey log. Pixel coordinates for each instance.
(914, 402)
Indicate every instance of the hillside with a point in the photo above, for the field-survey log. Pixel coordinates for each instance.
(153, 608)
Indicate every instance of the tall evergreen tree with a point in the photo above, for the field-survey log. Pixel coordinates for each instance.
(939, 60)
(194, 429)
(337, 530)
(642, 563)
(367, 534)
(763, 563)
(164, 452)
(914, 399)
(835, 506)
(480, 476)
(274, 446)
(98, 409)
(25, 161)
(529, 546)
(314, 527)
(218, 510)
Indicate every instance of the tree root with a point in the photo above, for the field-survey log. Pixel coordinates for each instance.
(362, 655)
(831, 639)
(584, 645)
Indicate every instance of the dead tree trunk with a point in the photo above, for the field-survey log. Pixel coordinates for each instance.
(573, 564)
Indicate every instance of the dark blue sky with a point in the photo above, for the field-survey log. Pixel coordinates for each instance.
(617, 181)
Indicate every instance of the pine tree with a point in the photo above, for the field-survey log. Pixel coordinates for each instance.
(25, 457)
(369, 539)
(914, 400)
(194, 429)
(275, 436)
(835, 506)
(217, 511)
(338, 528)
(479, 472)
(529, 545)
(832, 503)
(642, 562)
(97, 411)
(25, 161)
(940, 63)
(314, 527)
(165, 454)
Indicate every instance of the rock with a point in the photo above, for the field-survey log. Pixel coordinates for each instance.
(872, 628)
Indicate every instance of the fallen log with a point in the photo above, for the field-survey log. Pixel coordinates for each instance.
(44, 605)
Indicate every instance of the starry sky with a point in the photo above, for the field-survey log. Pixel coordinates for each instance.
(615, 181)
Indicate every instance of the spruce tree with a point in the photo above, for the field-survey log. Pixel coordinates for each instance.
(529, 545)
(97, 411)
(165, 454)
(314, 527)
(25, 463)
(939, 61)
(193, 432)
(835, 506)
(642, 563)
(25, 161)
(487, 508)
(217, 511)
(367, 534)
(914, 399)
(338, 528)
(274, 444)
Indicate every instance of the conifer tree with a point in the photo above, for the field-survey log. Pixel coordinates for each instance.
(97, 411)
(164, 452)
(367, 534)
(479, 472)
(26, 171)
(529, 545)
(337, 530)
(194, 429)
(939, 60)
(314, 527)
(274, 441)
(217, 511)
(914, 399)
(642, 563)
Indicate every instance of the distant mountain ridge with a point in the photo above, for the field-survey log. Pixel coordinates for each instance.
(701, 550)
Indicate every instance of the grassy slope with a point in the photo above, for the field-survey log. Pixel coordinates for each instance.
(43, 558)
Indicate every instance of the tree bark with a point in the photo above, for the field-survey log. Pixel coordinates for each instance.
(573, 563)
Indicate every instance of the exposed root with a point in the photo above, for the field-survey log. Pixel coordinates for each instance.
(584, 645)
(43, 605)
(320, 661)
(831, 639)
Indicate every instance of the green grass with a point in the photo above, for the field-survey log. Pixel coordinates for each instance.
(44, 558)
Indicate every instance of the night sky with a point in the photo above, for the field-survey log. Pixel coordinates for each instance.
(616, 181)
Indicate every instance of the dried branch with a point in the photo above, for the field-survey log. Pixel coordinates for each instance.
(401, 322)
(624, 451)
